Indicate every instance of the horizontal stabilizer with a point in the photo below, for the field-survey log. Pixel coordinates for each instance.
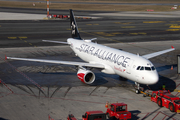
(93, 39)
(54, 41)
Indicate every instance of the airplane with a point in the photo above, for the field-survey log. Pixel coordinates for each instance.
(109, 60)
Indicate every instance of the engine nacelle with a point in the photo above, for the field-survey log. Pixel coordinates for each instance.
(86, 76)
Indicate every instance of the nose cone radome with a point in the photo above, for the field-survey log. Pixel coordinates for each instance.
(154, 78)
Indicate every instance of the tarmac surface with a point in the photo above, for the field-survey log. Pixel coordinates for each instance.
(101, 3)
(30, 90)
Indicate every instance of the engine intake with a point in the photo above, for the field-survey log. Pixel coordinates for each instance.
(86, 76)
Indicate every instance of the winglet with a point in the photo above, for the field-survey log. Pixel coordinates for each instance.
(172, 47)
(5, 57)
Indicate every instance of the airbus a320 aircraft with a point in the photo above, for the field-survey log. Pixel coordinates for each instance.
(111, 61)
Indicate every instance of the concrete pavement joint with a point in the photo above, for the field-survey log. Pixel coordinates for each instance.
(1, 81)
(23, 74)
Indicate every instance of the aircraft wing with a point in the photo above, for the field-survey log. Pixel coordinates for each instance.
(60, 62)
(148, 56)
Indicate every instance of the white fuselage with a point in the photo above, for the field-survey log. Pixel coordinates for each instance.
(124, 64)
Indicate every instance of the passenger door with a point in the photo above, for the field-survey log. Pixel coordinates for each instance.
(129, 66)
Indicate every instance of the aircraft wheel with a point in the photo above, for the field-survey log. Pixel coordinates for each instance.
(137, 91)
(144, 95)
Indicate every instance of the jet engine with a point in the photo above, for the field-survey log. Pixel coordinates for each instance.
(86, 76)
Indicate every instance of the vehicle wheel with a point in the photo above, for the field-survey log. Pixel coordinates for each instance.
(137, 91)
(159, 102)
(108, 116)
(171, 107)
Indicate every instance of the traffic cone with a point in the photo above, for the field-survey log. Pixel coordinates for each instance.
(172, 67)
(106, 105)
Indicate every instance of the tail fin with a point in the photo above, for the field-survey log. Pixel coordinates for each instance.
(74, 28)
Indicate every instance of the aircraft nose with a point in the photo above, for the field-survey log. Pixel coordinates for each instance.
(154, 78)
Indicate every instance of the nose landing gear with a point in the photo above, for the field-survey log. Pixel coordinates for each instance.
(137, 88)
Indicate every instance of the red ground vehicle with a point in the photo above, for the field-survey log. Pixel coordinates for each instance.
(90, 115)
(166, 99)
(118, 111)
(94, 115)
(71, 117)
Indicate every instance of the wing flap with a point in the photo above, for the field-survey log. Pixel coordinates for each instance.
(60, 62)
(148, 56)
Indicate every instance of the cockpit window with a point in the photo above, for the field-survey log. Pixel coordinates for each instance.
(138, 67)
(148, 68)
(142, 68)
(153, 68)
